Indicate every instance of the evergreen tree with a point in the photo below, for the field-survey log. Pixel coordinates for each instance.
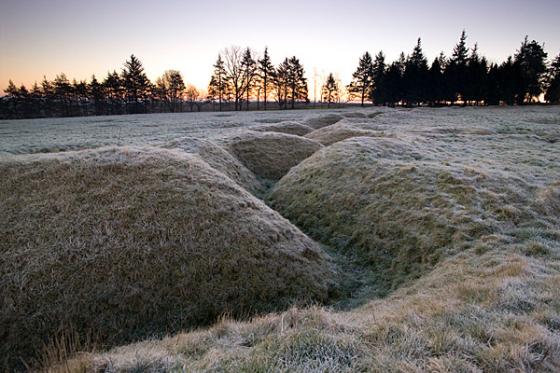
(436, 82)
(249, 68)
(14, 99)
(393, 82)
(477, 71)
(218, 87)
(281, 80)
(377, 94)
(11, 90)
(114, 90)
(62, 93)
(506, 81)
(553, 90)
(266, 74)
(136, 84)
(415, 76)
(492, 93)
(96, 93)
(456, 71)
(330, 91)
(362, 79)
(291, 84)
(297, 81)
(530, 63)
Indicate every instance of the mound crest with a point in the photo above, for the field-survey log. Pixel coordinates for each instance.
(219, 159)
(323, 120)
(401, 216)
(338, 132)
(271, 155)
(289, 127)
(125, 243)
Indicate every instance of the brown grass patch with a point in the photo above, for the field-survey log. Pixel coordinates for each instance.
(289, 127)
(123, 243)
(271, 155)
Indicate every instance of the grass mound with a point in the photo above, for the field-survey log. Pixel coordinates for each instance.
(371, 198)
(121, 243)
(340, 131)
(271, 155)
(219, 159)
(494, 312)
(323, 120)
(289, 127)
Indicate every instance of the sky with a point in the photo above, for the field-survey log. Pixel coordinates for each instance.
(80, 38)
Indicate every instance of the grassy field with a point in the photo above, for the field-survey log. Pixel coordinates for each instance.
(376, 239)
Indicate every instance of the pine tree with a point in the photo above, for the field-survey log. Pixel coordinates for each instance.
(266, 74)
(436, 82)
(136, 84)
(362, 79)
(281, 80)
(96, 93)
(506, 81)
(393, 82)
(114, 89)
(477, 71)
(330, 90)
(492, 93)
(456, 72)
(378, 95)
(530, 63)
(415, 76)
(218, 87)
(62, 93)
(297, 81)
(249, 68)
(553, 90)
(11, 90)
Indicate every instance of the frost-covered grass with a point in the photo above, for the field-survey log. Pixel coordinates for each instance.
(122, 243)
(452, 215)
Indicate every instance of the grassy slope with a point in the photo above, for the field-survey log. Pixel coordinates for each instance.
(455, 212)
(121, 243)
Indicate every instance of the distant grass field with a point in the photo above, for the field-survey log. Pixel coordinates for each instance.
(375, 239)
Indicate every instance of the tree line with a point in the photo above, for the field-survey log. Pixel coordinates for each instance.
(129, 92)
(242, 80)
(465, 77)
(241, 77)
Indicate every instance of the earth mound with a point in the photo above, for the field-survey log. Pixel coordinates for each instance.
(219, 159)
(289, 127)
(400, 215)
(340, 131)
(323, 120)
(124, 243)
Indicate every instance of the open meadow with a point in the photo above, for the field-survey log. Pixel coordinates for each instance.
(340, 240)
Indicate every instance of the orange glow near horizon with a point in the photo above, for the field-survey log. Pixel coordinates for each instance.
(78, 38)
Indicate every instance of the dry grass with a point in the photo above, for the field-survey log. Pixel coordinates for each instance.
(323, 120)
(289, 127)
(340, 131)
(123, 243)
(369, 197)
(219, 159)
(271, 155)
(454, 214)
(495, 312)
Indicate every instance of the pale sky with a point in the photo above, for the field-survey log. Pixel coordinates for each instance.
(80, 38)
